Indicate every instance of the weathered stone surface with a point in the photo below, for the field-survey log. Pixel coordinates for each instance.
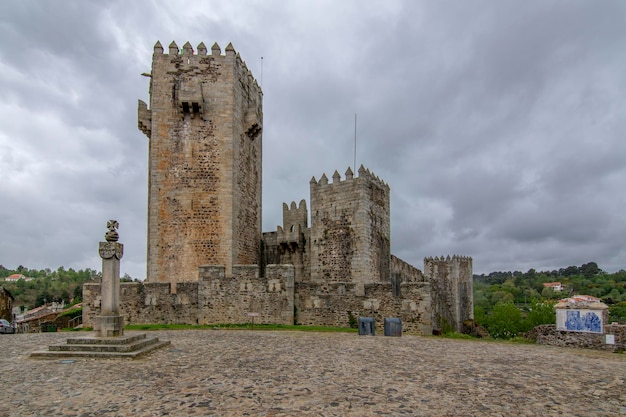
(548, 334)
(257, 373)
(204, 213)
(204, 126)
(451, 280)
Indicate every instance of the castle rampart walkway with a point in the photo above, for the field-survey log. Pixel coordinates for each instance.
(262, 373)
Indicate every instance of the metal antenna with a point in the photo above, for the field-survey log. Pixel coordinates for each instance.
(261, 71)
(354, 142)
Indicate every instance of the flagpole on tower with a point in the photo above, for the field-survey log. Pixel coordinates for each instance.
(354, 143)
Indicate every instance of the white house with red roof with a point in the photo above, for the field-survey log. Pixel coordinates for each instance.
(555, 286)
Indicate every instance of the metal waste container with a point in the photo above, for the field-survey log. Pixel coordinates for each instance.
(393, 327)
(367, 326)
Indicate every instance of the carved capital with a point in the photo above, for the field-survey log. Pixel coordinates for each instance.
(109, 250)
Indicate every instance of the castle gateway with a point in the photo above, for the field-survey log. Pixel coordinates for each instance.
(208, 261)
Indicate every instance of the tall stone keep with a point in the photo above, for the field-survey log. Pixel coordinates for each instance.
(204, 125)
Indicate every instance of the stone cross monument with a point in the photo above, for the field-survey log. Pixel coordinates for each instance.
(110, 323)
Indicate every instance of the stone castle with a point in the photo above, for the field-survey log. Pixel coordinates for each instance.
(208, 260)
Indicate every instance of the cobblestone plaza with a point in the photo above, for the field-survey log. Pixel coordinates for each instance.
(267, 373)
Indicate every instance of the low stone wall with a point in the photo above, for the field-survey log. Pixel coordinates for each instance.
(212, 299)
(273, 298)
(337, 304)
(224, 300)
(547, 334)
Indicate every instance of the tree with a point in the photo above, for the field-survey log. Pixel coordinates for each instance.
(569, 271)
(549, 293)
(65, 296)
(590, 269)
(505, 321)
(43, 297)
(78, 293)
(501, 297)
(617, 312)
(540, 312)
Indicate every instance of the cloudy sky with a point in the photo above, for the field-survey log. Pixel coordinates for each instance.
(499, 125)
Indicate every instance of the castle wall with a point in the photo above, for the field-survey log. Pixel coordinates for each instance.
(337, 304)
(204, 162)
(350, 229)
(452, 290)
(405, 271)
(275, 298)
(232, 300)
(213, 299)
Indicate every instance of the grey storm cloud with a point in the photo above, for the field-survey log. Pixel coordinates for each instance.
(497, 124)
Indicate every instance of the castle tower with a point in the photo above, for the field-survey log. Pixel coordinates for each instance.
(350, 229)
(451, 283)
(204, 126)
(293, 238)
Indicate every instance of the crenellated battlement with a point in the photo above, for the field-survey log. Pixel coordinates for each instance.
(364, 175)
(187, 49)
(179, 58)
(295, 219)
(295, 215)
(448, 258)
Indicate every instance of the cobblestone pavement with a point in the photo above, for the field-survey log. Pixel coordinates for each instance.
(263, 373)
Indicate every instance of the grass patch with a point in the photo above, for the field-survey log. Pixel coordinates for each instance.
(76, 329)
(514, 340)
(520, 340)
(456, 335)
(75, 312)
(243, 326)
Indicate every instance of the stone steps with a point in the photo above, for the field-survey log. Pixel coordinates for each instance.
(131, 346)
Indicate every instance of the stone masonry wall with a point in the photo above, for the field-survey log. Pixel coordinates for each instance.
(6, 305)
(350, 229)
(293, 240)
(335, 304)
(213, 299)
(547, 334)
(204, 126)
(406, 271)
(223, 300)
(452, 290)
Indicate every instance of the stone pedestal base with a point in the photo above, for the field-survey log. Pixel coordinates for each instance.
(109, 326)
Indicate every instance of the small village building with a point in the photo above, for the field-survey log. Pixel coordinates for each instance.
(581, 313)
(554, 286)
(6, 304)
(15, 278)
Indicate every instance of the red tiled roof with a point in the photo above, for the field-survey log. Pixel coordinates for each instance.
(581, 299)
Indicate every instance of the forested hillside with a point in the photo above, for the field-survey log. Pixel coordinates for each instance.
(511, 302)
(47, 285)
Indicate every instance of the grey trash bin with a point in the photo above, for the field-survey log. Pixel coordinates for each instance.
(393, 327)
(367, 326)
